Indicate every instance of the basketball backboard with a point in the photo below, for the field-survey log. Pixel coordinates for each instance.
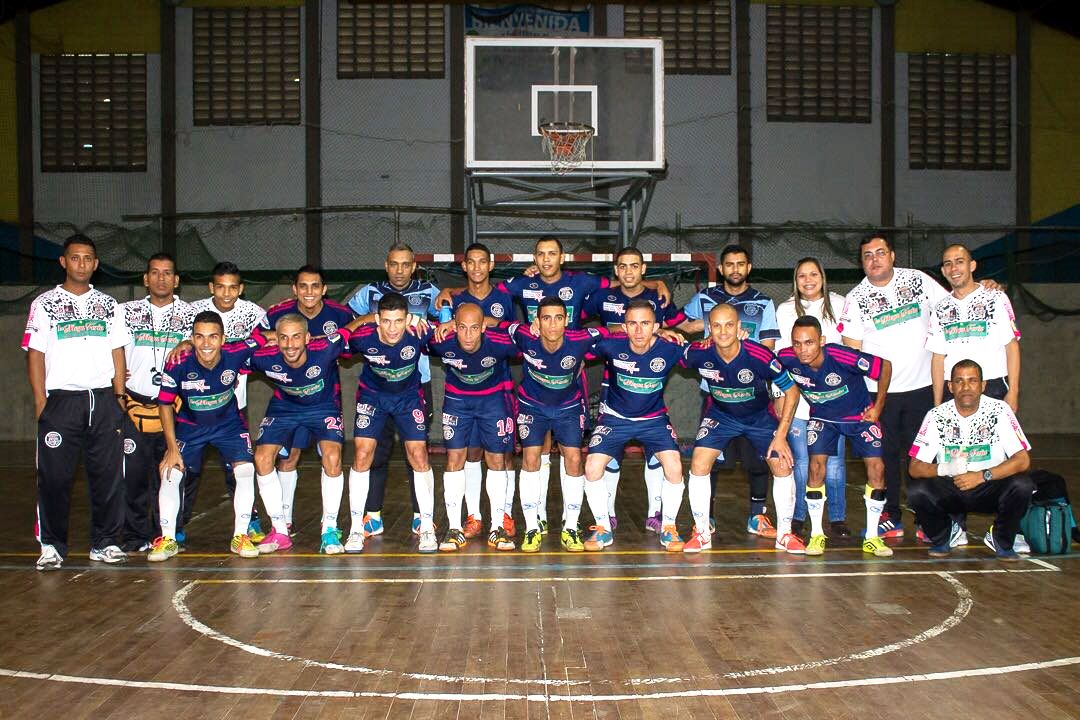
(615, 85)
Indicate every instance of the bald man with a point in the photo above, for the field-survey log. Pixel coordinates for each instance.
(476, 410)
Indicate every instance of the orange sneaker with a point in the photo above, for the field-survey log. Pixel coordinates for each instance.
(792, 544)
(760, 525)
(472, 528)
(700, 541)
(509, 526)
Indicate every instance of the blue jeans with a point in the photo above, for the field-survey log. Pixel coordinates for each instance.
(835, 475)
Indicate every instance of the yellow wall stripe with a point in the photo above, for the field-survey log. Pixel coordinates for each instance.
(97, 26)
(9, 158)
(960, 26)
(1055, 121)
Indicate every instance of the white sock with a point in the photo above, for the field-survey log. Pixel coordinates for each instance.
(783, 492)
(496, 492)
(453, 488)
(169, 501)
(332, 489)
(288, 480)
(359, 482)
(654, 478)
(529, 495)
(508, 494)
(815, 507)
(700, 499)
(243, 497)
(474, 483)
(424, 483)
(573, 492)
(672, 501)
(270, 492)
(873, 513)
(545, 479)
(596, 493)
(611, 482)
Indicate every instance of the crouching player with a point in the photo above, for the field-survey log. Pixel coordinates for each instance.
(204, 380)
(831, 379)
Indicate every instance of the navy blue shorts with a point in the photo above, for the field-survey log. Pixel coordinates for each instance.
(567, 424)
(478, 421)
(717, 429)
(864, 438)
(231, 438)
(611, 435)
(405, 409)
(288, 428)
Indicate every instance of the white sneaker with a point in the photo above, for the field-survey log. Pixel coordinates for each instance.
(49, 559)
(958, 537)
(428, 543)
(110, 555)
(1020, 545)
(355, 543)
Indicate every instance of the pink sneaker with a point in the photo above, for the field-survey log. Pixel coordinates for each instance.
(273, 542)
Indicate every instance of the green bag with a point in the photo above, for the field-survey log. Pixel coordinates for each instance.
(1048, 526)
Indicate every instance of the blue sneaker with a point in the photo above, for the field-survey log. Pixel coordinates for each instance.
(416, 524)
(940, 551)
(598, 539)
(255, 531)
(331, 542)
(181, 536)
(373, 525)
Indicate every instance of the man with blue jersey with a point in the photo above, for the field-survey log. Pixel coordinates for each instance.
(205, 380)
(757, 315)
(475, 410)
(307, 398)
(738, 374)
(609, 307)
(637, 367)
(498, 307)
(389, 393)
(550, 399)
(832, 379)
(419, 295)
(323, 318)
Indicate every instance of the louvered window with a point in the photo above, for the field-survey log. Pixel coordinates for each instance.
(247, 66)
(697, 36)
(818, 63)
(959, 112)
(391, 40)
(93, 113)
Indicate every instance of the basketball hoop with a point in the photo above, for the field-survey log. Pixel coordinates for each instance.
(565, 144)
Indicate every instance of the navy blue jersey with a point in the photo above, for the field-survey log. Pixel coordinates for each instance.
(207, 395)
(836, 391)
(331, 317)
(757, 313)
(739, 387)
(609, 306)
(573, 288)
(497, 304)
(635, 383)
(483, 372)
(550, 378)
(419, 295)
(388, 368)
(314, 384)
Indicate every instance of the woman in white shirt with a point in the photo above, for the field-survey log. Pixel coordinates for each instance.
(811, 296)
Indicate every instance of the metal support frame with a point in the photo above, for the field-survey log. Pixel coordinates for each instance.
(618, 196)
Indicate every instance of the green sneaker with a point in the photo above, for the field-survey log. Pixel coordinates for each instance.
(331, 542)
(876, 547)
(816, 546)
(571, 540)
(532, 541)
(544, 527)
(162, 548)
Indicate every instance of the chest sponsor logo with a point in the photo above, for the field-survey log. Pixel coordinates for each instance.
(640, 386)
(199, 385)
(750, 328)
(746, 376)
(532, 295)
(568, 362)
(629, 366)
(84, 328)
(408, 352)
(228, 377)
(312, 372)
(975, 453)
(657, 364)
(713, 375)
(534, 361)
(474, 379)
(960, 331)
(832, 380)
(818, 397)
(394, 374)
(305, 390)
(617, 308)
(156, 338)
(897, 316)
(551, 382)
(732, 395)
(279, 377)
(204, 403)
(377, 359)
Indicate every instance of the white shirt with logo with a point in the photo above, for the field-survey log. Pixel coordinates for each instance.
(987, 437)
(975, 327)
(154, 332)
(892, 322)
(785, 320)
(239, 322)
(77, 334)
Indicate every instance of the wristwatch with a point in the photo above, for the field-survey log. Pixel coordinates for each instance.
(987, 475)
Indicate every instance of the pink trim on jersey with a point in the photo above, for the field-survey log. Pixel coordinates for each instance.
(318, 344)
(338, 306)
(759, 352)
(504, 386)
(576, 335)
(499, 339)
(25, 341)
(266, 351)
(576, 399)
(678, 319)
(283, 304)
(230, 348)
(365, 330)
(166, 397)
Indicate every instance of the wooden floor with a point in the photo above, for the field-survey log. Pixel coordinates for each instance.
(633, 632)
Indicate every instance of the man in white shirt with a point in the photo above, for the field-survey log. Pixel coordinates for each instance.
(75, 340)
(970, 455)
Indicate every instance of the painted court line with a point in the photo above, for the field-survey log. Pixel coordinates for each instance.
(961, 611)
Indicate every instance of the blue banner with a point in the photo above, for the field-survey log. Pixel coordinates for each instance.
(525, 21)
